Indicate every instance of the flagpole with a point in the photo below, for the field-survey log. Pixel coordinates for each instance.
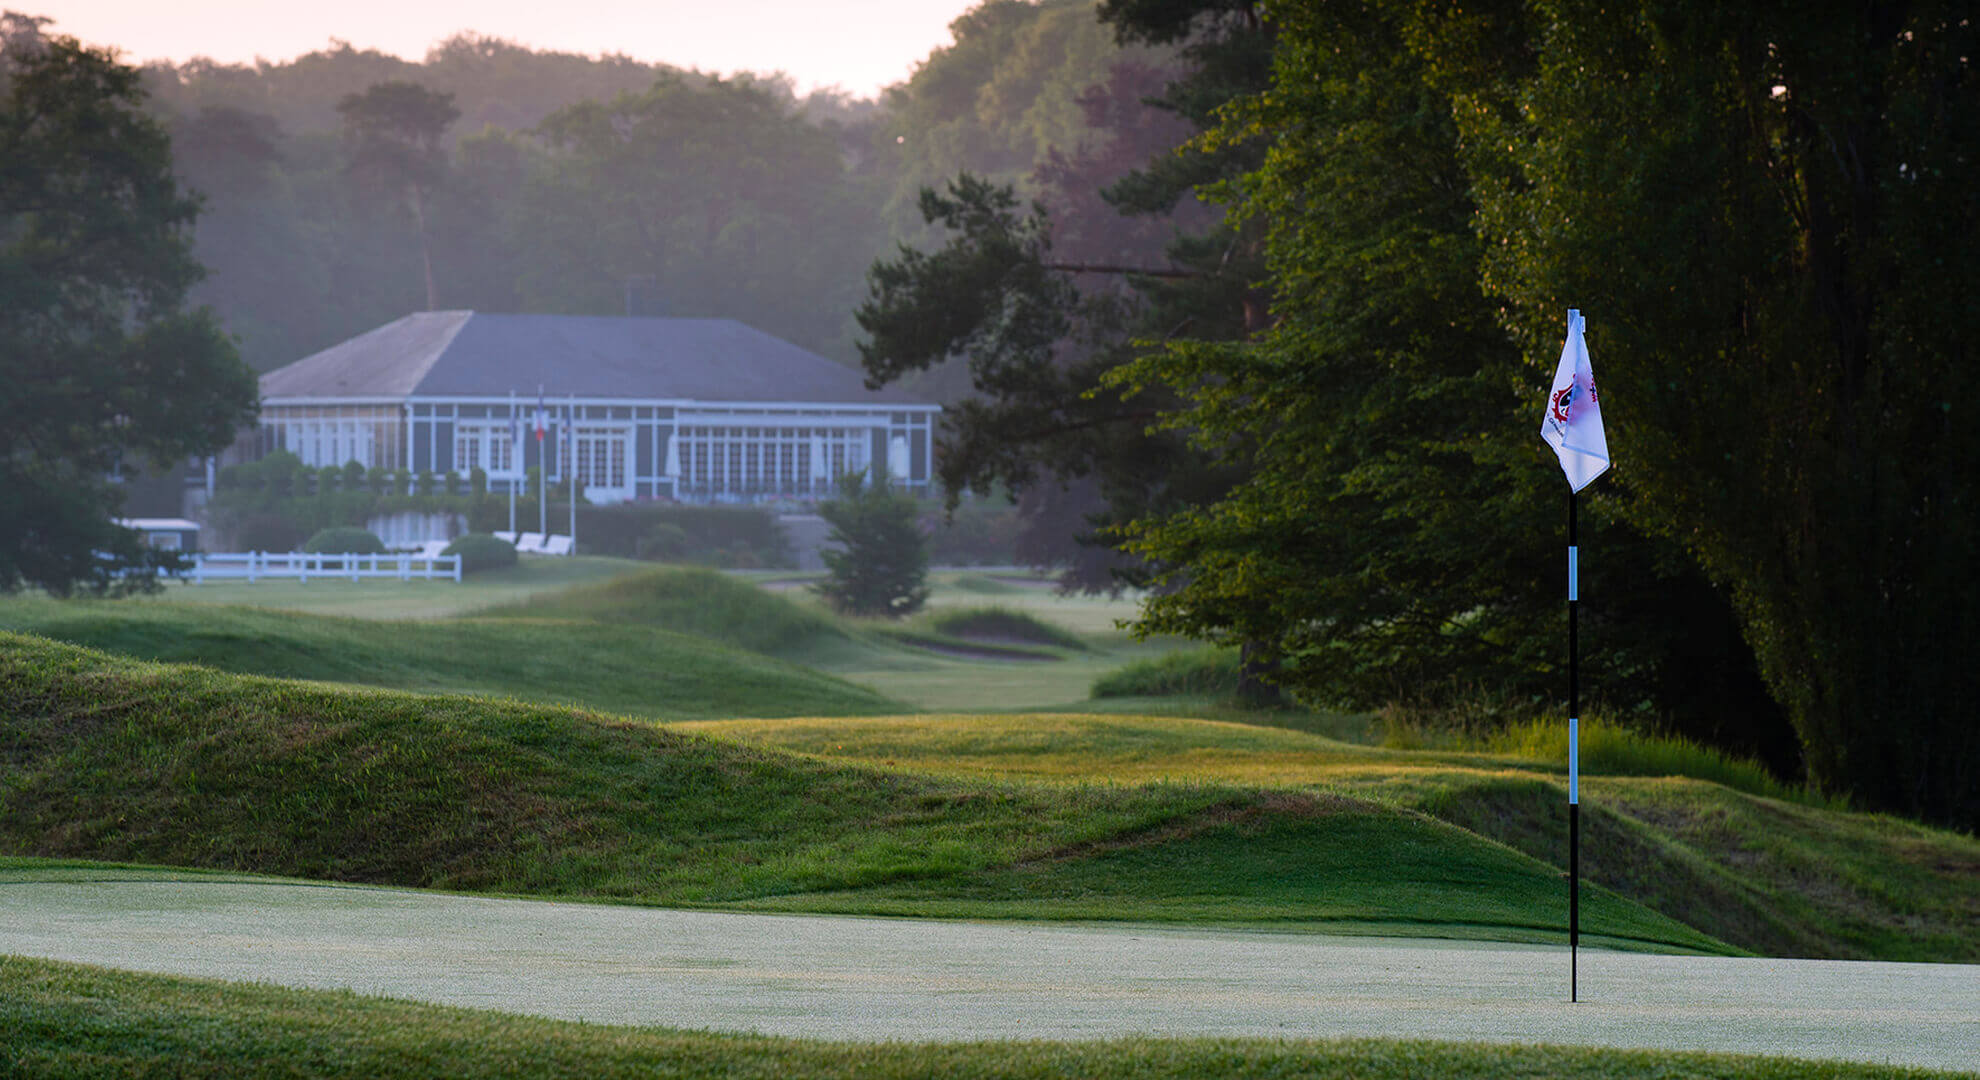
(570, 441)
(542, 467)
(1574, 753)
(515, 453)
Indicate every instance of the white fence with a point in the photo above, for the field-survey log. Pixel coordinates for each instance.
(255, 565)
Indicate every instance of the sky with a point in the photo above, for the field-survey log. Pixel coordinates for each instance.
(856, 45)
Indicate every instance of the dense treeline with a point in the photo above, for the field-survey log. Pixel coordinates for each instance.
(594, 185)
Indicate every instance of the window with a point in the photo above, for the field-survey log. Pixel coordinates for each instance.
(501, 452)
(467, 449)
(601, 457)
(486, 448)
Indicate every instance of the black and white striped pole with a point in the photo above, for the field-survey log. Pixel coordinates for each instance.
(1573, 427)
(1574, 753)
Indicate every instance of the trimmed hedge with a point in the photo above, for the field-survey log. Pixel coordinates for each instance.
(724, 536)
(480, 551)
(344, 540)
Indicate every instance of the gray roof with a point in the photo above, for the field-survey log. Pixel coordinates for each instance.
(469, 354)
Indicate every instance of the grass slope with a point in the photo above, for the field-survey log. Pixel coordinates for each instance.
(693, 601)
(916, 663)
(67, 1020)
(1773, 876)
(627, 669)
(113, 759)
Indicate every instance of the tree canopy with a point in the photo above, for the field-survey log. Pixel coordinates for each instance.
(101, 364)
(1754, 208)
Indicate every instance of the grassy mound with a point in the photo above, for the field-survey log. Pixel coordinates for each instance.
(1192, 673)
(118, 760)
(70, 1020)
(691, 601)
(627, 669)
(1778, 877)
(995, 624)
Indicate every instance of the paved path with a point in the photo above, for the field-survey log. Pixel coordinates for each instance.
(852, 978)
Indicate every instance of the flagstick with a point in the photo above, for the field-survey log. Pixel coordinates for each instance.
(1574, 755)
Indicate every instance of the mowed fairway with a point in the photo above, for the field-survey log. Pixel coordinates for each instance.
(920, 981)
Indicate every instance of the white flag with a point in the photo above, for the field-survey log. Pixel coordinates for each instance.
(1573, 425)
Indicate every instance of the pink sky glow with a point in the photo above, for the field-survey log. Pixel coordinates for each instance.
(857, 45)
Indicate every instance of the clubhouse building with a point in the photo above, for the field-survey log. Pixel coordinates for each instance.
(698, 410)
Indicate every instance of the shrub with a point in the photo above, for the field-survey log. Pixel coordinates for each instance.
(663, 542)
(344, 540)
(480, 551)
(267, 532)
(713, 532)
(1194, 673)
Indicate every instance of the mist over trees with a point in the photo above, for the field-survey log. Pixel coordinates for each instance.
(582, 185)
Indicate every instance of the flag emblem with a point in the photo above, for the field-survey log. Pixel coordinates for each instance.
(1573, 423)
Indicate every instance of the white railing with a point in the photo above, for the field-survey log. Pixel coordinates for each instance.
(255, 565)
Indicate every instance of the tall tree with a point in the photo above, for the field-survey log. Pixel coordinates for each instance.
(718, 192)
(1758, 208)
(1040, 301)
(1768, 210)
(396, 132)
(1391, 540)
(100, 363)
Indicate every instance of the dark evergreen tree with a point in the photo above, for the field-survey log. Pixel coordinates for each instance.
(881, 566)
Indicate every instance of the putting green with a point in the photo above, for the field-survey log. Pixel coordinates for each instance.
(889, 979)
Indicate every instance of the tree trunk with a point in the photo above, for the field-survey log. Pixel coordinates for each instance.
(1255, 690)
(425, 250)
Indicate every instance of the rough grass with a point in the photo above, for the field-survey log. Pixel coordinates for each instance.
(631, 669)
(1618, 751)
(117, 760)
(1193, 672)
(66, 1020)
(1775, 877)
